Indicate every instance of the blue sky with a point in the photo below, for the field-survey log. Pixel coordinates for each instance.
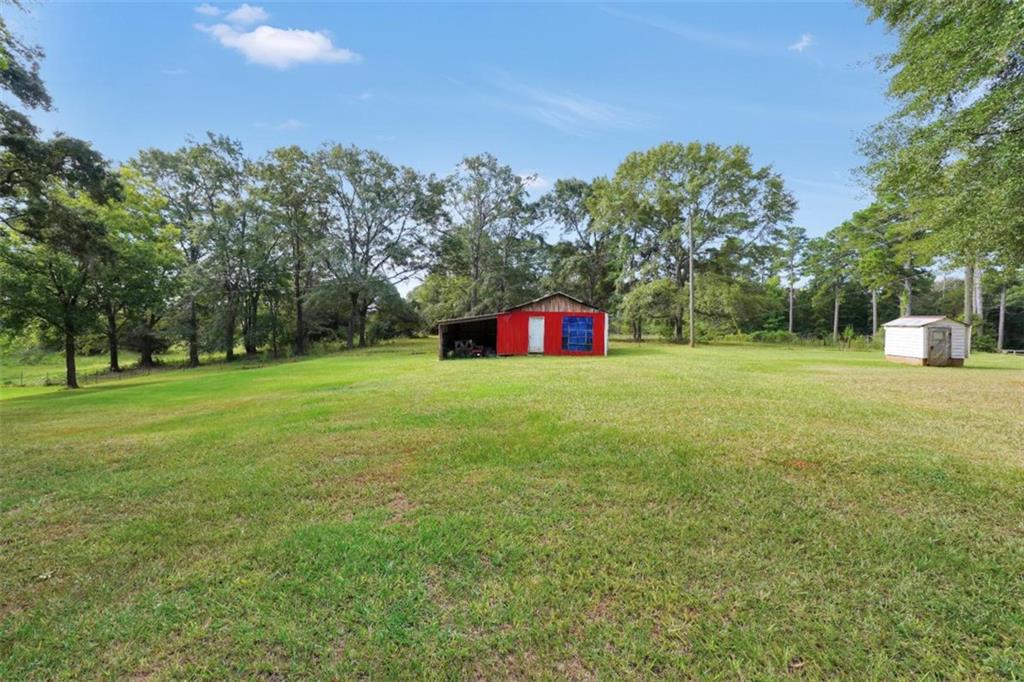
(557, 90)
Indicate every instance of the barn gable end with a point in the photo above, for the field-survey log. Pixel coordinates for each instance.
(556, 303)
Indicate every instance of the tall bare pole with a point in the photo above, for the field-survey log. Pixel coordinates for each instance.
(689, 236)
(1001, 333)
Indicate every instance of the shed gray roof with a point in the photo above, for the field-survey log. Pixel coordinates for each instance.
(918, 321)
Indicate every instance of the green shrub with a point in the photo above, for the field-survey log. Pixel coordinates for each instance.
(983, 342)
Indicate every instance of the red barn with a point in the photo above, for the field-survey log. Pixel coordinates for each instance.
(556, 324)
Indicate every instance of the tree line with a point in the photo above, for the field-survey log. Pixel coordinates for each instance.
(209, 249)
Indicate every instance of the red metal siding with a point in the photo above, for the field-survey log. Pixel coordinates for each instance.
(514, 334)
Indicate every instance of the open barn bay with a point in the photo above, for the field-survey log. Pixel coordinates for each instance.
(725, 512)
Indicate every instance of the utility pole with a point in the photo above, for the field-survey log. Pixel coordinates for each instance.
(689, 235)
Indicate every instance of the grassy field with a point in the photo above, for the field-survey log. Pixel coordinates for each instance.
(730, 512)
(50, 366)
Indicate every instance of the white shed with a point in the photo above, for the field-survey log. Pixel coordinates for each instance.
(926, 340)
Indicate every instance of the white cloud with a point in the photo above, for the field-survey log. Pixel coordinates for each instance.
(363, 96)
(806, 40)
(246, 14)
(208, 10)
(280, 47)
(535, 182)
(173, 72)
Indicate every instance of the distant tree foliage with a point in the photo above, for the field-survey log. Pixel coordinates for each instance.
(210, 250)
(953, 152)
(680, 204)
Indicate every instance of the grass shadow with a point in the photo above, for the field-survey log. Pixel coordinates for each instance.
(64, 393)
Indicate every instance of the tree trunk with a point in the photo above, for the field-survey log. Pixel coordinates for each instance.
(146, 352)
(229, 335)
(362, 326)
(71, 375)
(791, 306)
(300, 317)
(474, 278)
(835, 320)
(1001, 331)
(112, 337)
(353, 318)
(968, 294)
(908, 297)
(689, 274)
(146, 342)
(874, 313)
(273, 328)
(979, 308)
(193, 335)
(251, 306)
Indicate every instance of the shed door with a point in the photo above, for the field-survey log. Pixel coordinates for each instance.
(938, 346)
(536, 334)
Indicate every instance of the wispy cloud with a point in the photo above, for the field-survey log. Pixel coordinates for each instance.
(829, 187)
(208, 10)
(280, 48)
(363, 96)
(806, 40)
(173, 72)
(287, 124)
(693, 34)
(565, 111)
(246, 14)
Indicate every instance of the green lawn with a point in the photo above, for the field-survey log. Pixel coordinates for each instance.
(727, 512)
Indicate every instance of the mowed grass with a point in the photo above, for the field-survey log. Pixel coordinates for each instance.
(724, 512)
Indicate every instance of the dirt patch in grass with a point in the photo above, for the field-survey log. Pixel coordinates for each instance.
(575, 669)
(400, 506)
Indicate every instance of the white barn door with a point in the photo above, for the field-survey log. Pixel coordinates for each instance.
(536, 334)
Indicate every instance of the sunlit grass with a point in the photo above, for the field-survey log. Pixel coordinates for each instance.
(730, 512)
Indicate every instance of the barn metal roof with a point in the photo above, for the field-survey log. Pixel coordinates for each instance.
(471, 318)
(918, 321)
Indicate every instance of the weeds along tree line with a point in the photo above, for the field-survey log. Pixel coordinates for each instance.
(211, 249)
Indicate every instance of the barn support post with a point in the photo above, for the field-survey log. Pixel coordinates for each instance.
(440, 342)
